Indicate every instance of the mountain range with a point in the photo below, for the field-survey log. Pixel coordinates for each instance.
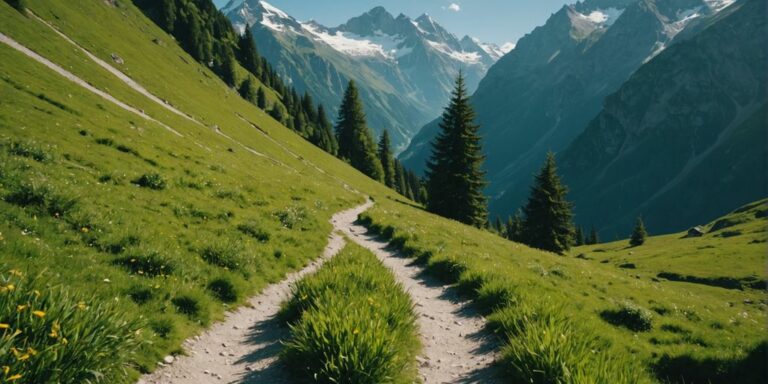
(404, 67)
(542, 95)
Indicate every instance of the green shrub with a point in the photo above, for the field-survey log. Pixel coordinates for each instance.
(292, 216)
(225, 254)
(224, 289)
(351, 323)
(194, 305)
(30, 150)
(50, 336)
(140, 295)
(629, 316)
(253, 230)
(46, 201)
(152, 181)
(149, 264)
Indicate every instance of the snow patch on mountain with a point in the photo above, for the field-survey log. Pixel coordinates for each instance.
(604, 17)
(508, 47)
(379, 45)
(272, 16)
(718, 5)
(465, 57)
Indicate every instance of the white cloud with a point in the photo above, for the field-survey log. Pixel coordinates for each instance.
(454, 7)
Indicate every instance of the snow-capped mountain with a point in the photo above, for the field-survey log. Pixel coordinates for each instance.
(542, 95)
(405, 67)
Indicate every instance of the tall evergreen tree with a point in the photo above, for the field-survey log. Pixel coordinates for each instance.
(454, 179)
(400, 186)
(247, 90)
(247, 53)
(261, 98)
(355, 139)
(594, 238)
(579, 237)
(323, 136)
(515, 227)
(385, 157)
(639, 234)
(548, 214)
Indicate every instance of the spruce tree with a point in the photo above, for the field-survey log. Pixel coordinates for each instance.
(247, 90)
(515, 227)
(356, 143)
(579, 237)
(261, 98)
(323, 135)
(455, 180)
(639, 234)
(247, 53)
(499, 227)
(594, 238)
(547, 223)
(400, 186)
(387, 162)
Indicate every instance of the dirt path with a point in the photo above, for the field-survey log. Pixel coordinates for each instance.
(456, 347)
(244, 348)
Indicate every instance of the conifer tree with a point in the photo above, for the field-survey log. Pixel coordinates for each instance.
(515, 227)
(277, 113)
(579, 237)
(454, 179)
(247, 53)
(355, 139)
(639, 234)
(400, 178)
(387, 162)
(594, 238)
(499, 227)
(261, 98)
(547, 223)
(247, 90)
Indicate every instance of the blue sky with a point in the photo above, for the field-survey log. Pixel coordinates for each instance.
(496, 21)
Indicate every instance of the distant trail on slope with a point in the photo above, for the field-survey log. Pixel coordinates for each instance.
(244, 348)
(72, 77)
(133, 84)
(457, 349)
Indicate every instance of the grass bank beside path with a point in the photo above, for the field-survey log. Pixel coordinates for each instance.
(351, 323)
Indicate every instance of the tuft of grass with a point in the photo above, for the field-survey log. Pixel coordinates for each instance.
(30, 150)
(194, 305)
(149, 264)
(351, 323)
(630, 316)
(254, 230)
(48, 335)
(224, 289)
(226, 254)
(152, 181)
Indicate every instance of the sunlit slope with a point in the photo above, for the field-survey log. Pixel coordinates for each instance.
(230, 196)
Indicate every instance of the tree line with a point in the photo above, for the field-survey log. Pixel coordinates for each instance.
(207, 35)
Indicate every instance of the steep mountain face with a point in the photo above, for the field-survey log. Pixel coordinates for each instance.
(541, 95)
(685, 137)
(404, 67)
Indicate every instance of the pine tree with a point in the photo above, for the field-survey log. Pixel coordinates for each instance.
(247, 90)
(355, 139)
(385, 157)
(399, 178)
(594, 238)
(499, 227)
(277, 113)
(579, 237)
(639, 234)
(19, 5)
(515, 227)
(261, 98)
(247, 53)
(454, 179)
(547, 223)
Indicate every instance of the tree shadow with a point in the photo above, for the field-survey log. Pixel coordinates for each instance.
(266, 336)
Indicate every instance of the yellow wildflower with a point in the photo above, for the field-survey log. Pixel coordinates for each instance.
(6, 369)
(4, 326)
(14, 377)
(81, 305)
(84, 229)
(39, 314)
(15, 352)
(23, 357)
(20, 308)
(64, 341)
(15, 272)
(356, 331)
(37, 293)
(31, 351)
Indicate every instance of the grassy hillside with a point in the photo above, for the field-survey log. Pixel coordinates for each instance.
(654, 329)
(167, 231)
(116, 208)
